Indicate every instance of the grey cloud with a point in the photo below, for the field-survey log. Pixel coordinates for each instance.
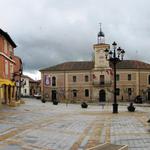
(48, 32)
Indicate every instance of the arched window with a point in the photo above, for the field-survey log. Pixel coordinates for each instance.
(53, 81)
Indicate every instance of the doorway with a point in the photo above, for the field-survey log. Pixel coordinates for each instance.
(54, 96)
(102, 96)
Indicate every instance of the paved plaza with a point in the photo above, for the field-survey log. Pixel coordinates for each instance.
(44, 126)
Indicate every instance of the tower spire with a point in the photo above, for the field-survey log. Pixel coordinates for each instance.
(100, 35)
(100, 25)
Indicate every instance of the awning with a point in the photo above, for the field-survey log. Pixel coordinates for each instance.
(6, 82)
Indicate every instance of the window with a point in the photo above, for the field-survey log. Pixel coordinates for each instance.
(102, 79)
(86, 93)
(10, 48)
(129, 91)
(117, 77)
(25, 91)
(86, 78)
(117, 91)
(5, 46)
(74, 78)
(6, 68)
(129, 76)
(74, 93)
(53, 81)
(11, 68)
(149, 79)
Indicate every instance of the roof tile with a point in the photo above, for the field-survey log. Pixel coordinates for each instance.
(88, 65)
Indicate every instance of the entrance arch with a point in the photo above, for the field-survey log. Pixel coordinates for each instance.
(102, 96)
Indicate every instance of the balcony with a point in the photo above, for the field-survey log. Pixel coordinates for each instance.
(102, 84)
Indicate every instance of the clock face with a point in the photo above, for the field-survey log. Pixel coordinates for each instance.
(101, 56)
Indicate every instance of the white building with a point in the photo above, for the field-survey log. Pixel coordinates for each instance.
(25, 88)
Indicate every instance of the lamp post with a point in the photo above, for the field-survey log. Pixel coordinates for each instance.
(18, 82)
(114, 56)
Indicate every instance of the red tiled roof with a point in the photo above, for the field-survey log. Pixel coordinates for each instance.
(88, 65)
(69, 66)
(133, 64)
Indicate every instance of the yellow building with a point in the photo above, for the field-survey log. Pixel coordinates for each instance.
(92, 81)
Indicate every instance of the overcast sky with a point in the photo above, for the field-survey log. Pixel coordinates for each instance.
(48, 32)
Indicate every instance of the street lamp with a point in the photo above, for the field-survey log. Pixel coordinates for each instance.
(18, 82)
(114, 56)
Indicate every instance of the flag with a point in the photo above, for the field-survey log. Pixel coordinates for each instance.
(94, 76)
(111, 72)
(47, 80)
(107, 70)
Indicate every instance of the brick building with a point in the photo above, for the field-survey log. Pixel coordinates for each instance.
(10, 69)
(92, 81)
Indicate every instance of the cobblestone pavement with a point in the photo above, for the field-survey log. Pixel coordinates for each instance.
(36, 126)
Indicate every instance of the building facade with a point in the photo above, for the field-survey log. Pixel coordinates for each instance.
(10, 66)
(92, 81)
(29, 86)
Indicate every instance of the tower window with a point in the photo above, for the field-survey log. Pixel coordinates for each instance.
(102, 79)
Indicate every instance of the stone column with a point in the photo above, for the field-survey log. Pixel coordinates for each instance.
(6, 98)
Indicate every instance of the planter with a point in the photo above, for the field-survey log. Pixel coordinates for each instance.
(148, 121)
(84, 105)
(55, 102)
(43, 101)
(131, 108)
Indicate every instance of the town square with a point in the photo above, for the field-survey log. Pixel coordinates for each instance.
(74, 75)
(36, 125)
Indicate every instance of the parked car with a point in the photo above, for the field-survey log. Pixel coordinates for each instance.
(138, 99)
(37, 96)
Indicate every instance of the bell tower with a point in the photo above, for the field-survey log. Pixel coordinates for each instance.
(100, 36)
(100, 61)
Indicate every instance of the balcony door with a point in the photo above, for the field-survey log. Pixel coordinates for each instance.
(102, 96)
(102, 79)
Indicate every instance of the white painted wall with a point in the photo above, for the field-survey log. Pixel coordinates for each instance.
(25, 89)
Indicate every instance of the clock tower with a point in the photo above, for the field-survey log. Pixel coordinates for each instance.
(102, 73)
(100, 61)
